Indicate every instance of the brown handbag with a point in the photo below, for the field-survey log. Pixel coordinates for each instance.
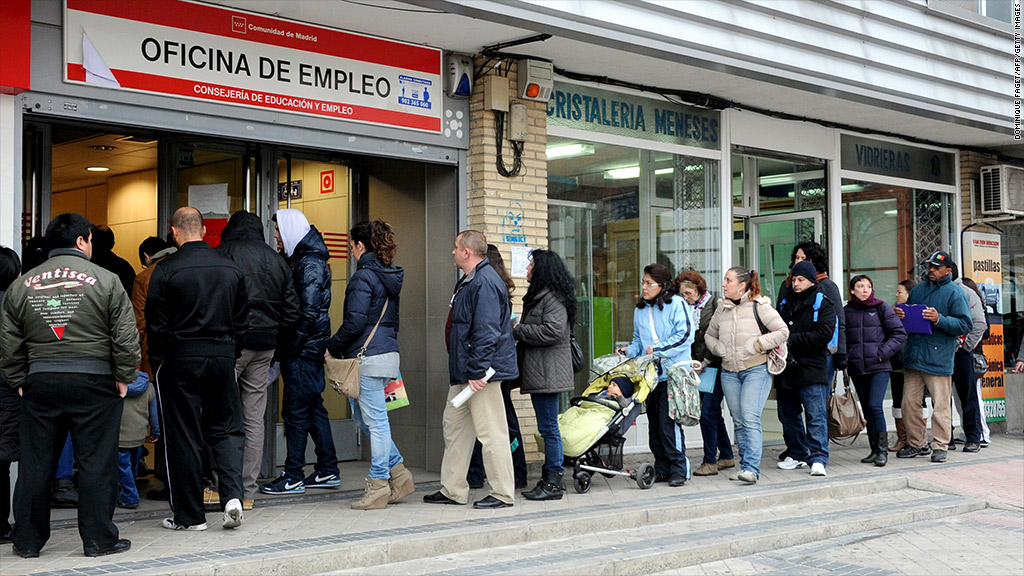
(343, 373)
(845, 420)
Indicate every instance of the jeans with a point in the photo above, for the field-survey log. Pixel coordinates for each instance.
(805, 405)
(712, 425)
(871, 392)
(546, 408)
(304, 415)
(127, 464)
(745, 393)
(371, 415)
(66, 464)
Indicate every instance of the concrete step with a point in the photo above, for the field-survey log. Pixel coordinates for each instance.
(684, 532)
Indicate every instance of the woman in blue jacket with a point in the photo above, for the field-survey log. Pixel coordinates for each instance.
(874, 334)
(662, 326)
(375, 283)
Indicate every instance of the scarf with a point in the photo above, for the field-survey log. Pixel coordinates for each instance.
(870, 302)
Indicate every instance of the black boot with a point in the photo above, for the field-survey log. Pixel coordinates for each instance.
(883, 455)
(548, 488)
(873, 441)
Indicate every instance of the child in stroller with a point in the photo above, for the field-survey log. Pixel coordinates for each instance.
(593, 428)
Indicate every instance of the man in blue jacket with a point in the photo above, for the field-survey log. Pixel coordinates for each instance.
(479, 337)
(929, 357)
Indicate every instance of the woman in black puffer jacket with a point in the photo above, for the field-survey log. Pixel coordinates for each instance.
(545, 366)
(874, 334)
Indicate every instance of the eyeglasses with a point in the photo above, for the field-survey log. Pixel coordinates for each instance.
(647, 284)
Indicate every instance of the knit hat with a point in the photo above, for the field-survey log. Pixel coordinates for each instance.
(625, 385)
(805, 269)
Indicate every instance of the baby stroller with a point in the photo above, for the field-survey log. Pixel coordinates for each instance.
(594, 427)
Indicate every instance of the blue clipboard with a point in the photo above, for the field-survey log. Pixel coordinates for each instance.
(913, 320)
(707, 380)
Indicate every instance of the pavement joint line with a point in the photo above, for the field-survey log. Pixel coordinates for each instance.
(698, 539)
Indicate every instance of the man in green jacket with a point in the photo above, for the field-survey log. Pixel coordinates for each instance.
(68, 343)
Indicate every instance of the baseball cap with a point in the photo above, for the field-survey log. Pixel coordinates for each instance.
(940, 258)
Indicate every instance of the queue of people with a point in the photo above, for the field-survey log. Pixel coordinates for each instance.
(196, 342)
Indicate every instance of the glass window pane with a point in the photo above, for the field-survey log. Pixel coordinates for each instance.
(688, 235)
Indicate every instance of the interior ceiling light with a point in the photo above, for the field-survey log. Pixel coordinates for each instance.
(623, 173)
(661, 171)
(104, 148)
(98, 169)
(569, 150)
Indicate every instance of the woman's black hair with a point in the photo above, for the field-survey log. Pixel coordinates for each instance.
(814, 253)
(549, 272)
(35, 252)
(908, 285)
(498, 263)
(858, 278)
(660, 274)
(10, 267)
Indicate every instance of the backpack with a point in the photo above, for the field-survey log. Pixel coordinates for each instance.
(683, 395)
(833, 344)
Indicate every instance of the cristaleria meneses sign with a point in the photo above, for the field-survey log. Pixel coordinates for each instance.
(200, 51)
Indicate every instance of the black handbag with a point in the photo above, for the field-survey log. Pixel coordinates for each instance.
(577, 353)
(980, 362)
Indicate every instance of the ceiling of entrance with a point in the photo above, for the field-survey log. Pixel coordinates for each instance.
(469, 35)
(121, 153)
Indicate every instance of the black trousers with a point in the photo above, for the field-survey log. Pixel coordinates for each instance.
(664, 436)
(515, 438)
(89, 407)
(199, 402)
(965, 386)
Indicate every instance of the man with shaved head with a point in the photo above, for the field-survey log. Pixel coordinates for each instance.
(196, 313)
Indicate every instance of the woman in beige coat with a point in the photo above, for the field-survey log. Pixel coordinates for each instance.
(736, 335)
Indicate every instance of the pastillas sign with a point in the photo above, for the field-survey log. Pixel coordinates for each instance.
(194, 50)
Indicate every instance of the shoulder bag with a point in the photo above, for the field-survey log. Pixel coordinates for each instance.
(577, 352)
(343, 373)
(776, 356)
(845, 420)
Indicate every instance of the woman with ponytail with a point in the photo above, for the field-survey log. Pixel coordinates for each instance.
(375, 283)
(663, 327)
(735, 334)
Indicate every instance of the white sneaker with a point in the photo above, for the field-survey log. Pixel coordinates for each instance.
(790, 464)
(818, 469)
(747, 477)
(232, 514)
(170, 524)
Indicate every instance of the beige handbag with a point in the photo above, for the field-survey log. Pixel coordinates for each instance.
(343, 373)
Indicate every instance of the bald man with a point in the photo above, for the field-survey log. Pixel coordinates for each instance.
(196, 313)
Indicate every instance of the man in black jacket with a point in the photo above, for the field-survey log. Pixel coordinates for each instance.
(196, 314)
(479, 337)
(272, 304)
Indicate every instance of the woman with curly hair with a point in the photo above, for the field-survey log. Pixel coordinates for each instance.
(545, 359)
(663, 327)
(376, 283)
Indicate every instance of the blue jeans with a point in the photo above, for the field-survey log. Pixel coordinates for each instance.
(796, 406)
(304, 415)
(871, 392)
(712, 425)
(546, 408)
(66, 464)
(745, 393)
(371, 415)
(127, 464)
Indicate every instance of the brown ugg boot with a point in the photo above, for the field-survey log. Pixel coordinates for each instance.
(375, 497)
(901, 436)
(401, 483)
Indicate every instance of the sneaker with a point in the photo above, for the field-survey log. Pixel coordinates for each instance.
(232, 514)
(284, 485)
(938, 455)
(818, 469)
(984, 443)
(170, 524)
(211, 496)
(319, 480)
(726, 463)
(248, 504)
(790, 464)
(926, 450)
(127, 505)
(908, 452)
(747, 477)
(972, 447)
(706, 470)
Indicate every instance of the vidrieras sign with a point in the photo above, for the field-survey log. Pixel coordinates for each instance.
(196, 50)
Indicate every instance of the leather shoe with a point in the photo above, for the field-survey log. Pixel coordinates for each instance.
(122, 545)
(676, 480)
(490, 503)
(660, 478)
(439, 498)
(25, 553)
(971, 447)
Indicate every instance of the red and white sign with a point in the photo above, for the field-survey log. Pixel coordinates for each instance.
(201, 51)
(327, 182)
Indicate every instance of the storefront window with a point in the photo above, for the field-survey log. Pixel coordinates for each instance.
(1013, 289)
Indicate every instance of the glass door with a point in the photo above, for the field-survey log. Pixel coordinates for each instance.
(772, 239)
(569, 235)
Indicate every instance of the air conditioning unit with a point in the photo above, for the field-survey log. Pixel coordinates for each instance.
(1002, 190)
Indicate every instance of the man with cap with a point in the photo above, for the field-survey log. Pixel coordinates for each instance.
(802, 388)
(929, 357)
